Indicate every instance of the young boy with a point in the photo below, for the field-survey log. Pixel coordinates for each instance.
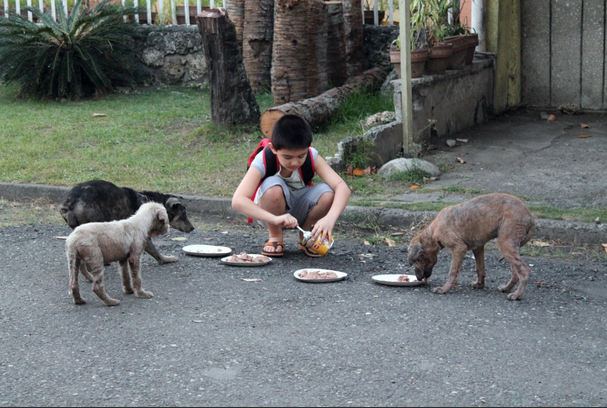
(279, 180)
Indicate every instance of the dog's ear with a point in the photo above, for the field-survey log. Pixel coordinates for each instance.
(172, 203)
(415, 252)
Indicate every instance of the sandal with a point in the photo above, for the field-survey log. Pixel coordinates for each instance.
(274, 244)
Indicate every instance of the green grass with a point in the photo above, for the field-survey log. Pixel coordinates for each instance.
(159, 139)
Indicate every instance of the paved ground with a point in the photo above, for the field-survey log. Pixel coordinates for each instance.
(209, 338)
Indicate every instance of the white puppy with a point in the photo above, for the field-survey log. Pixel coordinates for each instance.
(99, 243)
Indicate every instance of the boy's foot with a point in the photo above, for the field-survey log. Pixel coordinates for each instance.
(273, 248)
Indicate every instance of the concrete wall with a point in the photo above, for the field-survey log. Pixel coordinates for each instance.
(173, 55)
(442, 105)
(563, 53)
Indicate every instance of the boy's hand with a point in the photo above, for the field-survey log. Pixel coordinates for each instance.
(285, 221)
(323, 228)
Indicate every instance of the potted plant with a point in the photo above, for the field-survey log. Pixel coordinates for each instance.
(453, 32)
(368, 14)
(418, 42)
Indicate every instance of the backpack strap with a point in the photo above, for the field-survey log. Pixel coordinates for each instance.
(307, 170)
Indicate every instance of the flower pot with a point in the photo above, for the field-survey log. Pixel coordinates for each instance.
(418, 61)
(471, 42)
(368, 15)
(460, 48)
(438, 57)
(181, 14)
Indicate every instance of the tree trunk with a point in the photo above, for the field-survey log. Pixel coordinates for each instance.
(297, 49)
(235, 9)
(336, 46)
(258, 32)
(319, 109)
(353, 28)
(232, 100)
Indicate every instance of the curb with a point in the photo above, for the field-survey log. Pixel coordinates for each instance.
(564, 231)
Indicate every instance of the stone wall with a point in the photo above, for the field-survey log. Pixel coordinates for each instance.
(172, 55)
(377, 43)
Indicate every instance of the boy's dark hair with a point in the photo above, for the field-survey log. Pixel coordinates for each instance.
(291, 132)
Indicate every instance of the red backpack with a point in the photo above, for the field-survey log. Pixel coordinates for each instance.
(270, 162)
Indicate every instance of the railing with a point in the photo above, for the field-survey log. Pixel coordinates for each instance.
(169, 12)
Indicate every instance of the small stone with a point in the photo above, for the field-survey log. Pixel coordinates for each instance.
(450, 142)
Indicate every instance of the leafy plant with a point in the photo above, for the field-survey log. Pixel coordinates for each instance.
(361, 154)
(88, 52)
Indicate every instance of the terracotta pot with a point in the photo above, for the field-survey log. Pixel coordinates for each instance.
(460, 48)
(438, 57)
(472, 42)
(418, 61)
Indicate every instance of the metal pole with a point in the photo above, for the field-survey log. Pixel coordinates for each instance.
(405, 78)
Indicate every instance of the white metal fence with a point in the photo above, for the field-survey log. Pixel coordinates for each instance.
(169, 12)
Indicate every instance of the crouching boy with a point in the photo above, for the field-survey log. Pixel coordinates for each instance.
(278, 190)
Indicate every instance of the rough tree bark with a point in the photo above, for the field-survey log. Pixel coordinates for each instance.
(258, 32)
(297, 49)
(319, 109)
(336, 46)
(232, 100)
(235, 9)
(353, 29)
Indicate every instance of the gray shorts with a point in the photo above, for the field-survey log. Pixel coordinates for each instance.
(299, 202)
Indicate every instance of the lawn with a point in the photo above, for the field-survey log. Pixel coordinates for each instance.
(158, 139)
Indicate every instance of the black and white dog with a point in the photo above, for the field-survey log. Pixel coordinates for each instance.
(102, 201)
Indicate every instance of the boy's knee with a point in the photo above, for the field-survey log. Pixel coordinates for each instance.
(273, 194)
(326, 199)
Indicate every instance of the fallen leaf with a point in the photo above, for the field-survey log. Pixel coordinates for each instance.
(584, 125)
(197, 321)
(358, 172)
(390, 242)
(584, 135)
(179, 239)
(460, 160)
(251, 279)
(551, 117)
(539, 243)
(414, 186)
(99, 115)
(365, 242)
(397, 234)
(63, 237)
(462, 140)
(604, 247)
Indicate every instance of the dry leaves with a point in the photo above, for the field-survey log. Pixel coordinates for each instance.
(584, 125)
(365, 242)
(251, 279)
(390, 242)
(539, 243)
(179, 239)
(99, 115)
(414, 186)
(604, 247)
(358, 172)
(460, 160)
(551, 117)
(584, 135)
(462, 140)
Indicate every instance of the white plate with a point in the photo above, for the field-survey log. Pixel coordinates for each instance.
(266, 260)
(207, 250)
(392, 280)
(340, 275)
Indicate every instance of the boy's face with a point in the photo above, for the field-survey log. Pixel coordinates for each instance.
(291, 159)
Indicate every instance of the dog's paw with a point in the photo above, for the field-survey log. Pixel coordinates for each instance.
(514, 296)
(127, 291)
(112, 302)
(144, 294)
(504, 288)
(440, 290)
(478, 285)
(167, 259)
(79, 301)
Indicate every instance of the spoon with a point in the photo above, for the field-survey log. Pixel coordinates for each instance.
(306, 234)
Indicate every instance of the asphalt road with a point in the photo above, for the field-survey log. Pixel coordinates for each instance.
(209, 338)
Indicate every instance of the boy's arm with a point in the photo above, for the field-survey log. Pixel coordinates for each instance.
(325, 225)
(243, 203)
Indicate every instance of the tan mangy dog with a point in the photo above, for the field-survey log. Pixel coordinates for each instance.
(469, 226)
(100, 243)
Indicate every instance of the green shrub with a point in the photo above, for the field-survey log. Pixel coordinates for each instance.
(89, 52)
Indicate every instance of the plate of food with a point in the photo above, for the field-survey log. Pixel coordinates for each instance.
(244, 259)
(206, 250)
(397, 279)
(315, 275)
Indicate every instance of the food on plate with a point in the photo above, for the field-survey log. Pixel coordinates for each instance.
(317, 275)
(243, 257)
(403, 278)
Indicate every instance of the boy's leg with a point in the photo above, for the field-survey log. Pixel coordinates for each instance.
(273, 198)
(321, 209)
(312, 204)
